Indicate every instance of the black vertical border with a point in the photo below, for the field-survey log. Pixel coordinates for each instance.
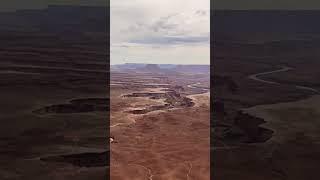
(108, 85)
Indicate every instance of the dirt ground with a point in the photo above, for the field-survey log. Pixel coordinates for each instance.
(166, 144)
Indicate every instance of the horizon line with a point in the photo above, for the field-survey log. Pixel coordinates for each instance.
(158, 64)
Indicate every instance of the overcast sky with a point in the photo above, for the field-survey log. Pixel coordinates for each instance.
(162, 32)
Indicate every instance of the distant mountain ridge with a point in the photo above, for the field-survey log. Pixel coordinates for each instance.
(151, 68)
(140, 65)
(162, 68)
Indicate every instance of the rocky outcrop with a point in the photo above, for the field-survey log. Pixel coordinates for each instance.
(241, 128)
(249, 126)
(77, 106)
(172, 99)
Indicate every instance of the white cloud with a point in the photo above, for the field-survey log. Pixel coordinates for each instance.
(166, 31)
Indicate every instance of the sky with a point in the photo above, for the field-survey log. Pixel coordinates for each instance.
(160, 32)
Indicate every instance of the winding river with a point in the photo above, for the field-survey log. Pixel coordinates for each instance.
(255, 77)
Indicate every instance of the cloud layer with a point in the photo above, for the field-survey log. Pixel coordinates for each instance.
(167, 31)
